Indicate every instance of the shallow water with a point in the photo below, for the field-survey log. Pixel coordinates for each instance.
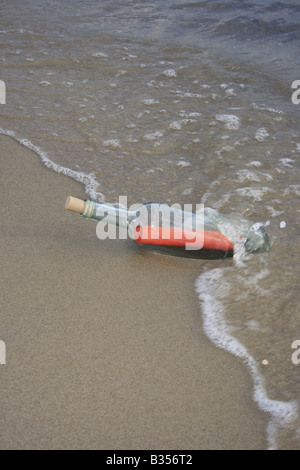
(180, 102)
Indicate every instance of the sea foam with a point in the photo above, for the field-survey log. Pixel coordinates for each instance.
(282, 414)
(231, 121)
(88, 180)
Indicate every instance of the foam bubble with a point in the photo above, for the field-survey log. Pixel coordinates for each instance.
(261, 134)
(170, 73)
(292, 189)
(176, 125)
(231, 121)
(230, 92)
(263, 107)
(187, 191)
(99, 54)
(254, 193)
(183, 163)
(255, 163)
(273, 212)
(112, 143)
(154, 135)
(246, 175)
(150, 101)
(190, 115)
(287, 162)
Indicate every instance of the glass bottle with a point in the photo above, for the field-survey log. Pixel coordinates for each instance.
(202, 234)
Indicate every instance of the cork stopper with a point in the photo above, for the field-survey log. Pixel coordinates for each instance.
(75, 205)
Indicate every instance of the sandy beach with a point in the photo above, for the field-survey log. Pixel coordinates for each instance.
(104, 341)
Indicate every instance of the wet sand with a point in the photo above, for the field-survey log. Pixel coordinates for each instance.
(104, 341)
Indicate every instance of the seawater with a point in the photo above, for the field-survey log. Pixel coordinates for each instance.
(179, 102)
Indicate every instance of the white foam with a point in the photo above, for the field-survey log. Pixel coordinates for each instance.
(188, 94)
(255, 163)
(292, 189)
(88, 180)
(255, 193)
(183, 114)
(112, 143)
(99, 54)
(246, 175)
(263, 107)
(187, 191)
(176, 125)
(170, 73)
(183, 163)
(150, 101)
(287, 162)
(283, 414)
(230, 92)
(273, 212)
(261, 134)
(231, 121)
(154, 135)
